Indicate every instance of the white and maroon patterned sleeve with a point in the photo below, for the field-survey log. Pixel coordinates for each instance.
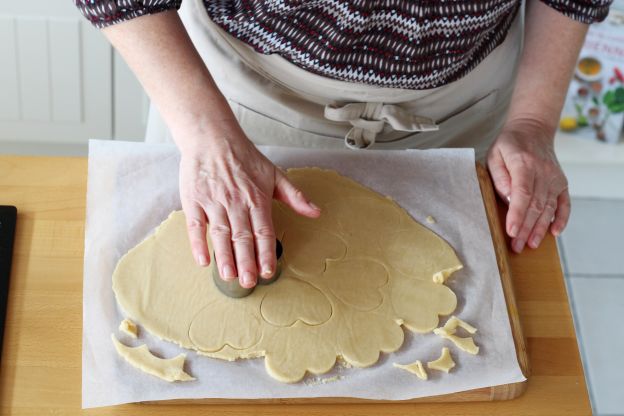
(585, 11)
(102, 13)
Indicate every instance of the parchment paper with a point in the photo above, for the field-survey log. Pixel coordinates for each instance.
(132, 187)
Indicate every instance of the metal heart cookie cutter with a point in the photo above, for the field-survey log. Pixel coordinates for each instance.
(233, 289)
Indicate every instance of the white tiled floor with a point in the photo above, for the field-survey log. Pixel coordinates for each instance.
(592, 249)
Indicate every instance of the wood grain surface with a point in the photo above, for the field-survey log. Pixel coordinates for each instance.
(41, 363)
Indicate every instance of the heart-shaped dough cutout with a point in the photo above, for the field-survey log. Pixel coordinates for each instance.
(218, 324)
(290, 300)
(356, 282)
(306, 250)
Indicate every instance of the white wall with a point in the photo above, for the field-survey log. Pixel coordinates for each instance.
(61, 83)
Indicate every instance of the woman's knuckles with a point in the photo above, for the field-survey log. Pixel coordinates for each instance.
(242, 236)
(195, 224)
(551, 205)
(264, 232)
(525, 162)
(219, 231)
(538, 203)
(521, 191)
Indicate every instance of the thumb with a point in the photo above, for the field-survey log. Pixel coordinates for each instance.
(499, 173)
(287, 193)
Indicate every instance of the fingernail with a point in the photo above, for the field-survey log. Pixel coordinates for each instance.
(228, 272)
(314, 206)
(518, 245)
(267, 272)
(514, 231)
(247, 278)
(535, 242)
(202, 260)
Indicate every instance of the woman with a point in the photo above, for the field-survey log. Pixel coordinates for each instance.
(226, 74)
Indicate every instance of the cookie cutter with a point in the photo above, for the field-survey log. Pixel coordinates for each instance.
(233, 289)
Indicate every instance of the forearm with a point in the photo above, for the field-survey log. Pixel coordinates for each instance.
(551, 46)
(161, 54)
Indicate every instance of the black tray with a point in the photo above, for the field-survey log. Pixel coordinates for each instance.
(8, 217)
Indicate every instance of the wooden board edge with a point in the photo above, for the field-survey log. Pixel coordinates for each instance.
(505, 392)
(496, 215)
(468, 396)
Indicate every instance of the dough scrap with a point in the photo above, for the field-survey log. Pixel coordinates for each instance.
(441, 276)
(444, 363)
(430, 219)
(466, 344)
(415, 368)
(350, 279)
(141, 358)
(129, 328)
(451, 326)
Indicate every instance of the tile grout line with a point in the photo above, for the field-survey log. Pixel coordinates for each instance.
(595, 275)
(597, 199)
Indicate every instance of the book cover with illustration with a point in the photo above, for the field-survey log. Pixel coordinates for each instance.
(594, 107)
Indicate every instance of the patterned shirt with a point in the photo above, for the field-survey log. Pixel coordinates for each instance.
(413, 44)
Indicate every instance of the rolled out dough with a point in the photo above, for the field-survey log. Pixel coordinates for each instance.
(350, 279)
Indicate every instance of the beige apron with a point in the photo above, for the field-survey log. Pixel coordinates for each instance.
(278, 103)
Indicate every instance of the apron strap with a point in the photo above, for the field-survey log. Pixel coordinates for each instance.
(368, 119)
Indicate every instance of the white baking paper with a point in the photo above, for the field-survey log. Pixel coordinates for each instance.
(132, 187)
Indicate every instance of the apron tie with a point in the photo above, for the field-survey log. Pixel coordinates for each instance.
(369, 118)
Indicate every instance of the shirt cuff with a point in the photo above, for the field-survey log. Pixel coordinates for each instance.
(584, 11)
(103, 13)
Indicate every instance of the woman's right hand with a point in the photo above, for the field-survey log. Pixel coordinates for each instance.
(224, 180)
(227, 186)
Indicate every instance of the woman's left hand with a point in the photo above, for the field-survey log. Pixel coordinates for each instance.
(525, 171)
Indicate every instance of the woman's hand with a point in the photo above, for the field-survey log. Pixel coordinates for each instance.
(522, 160)
(227, 183)
(525, 172)
(224, 180)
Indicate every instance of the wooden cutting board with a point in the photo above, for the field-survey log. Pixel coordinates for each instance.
(501, 392)
(40, 371)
